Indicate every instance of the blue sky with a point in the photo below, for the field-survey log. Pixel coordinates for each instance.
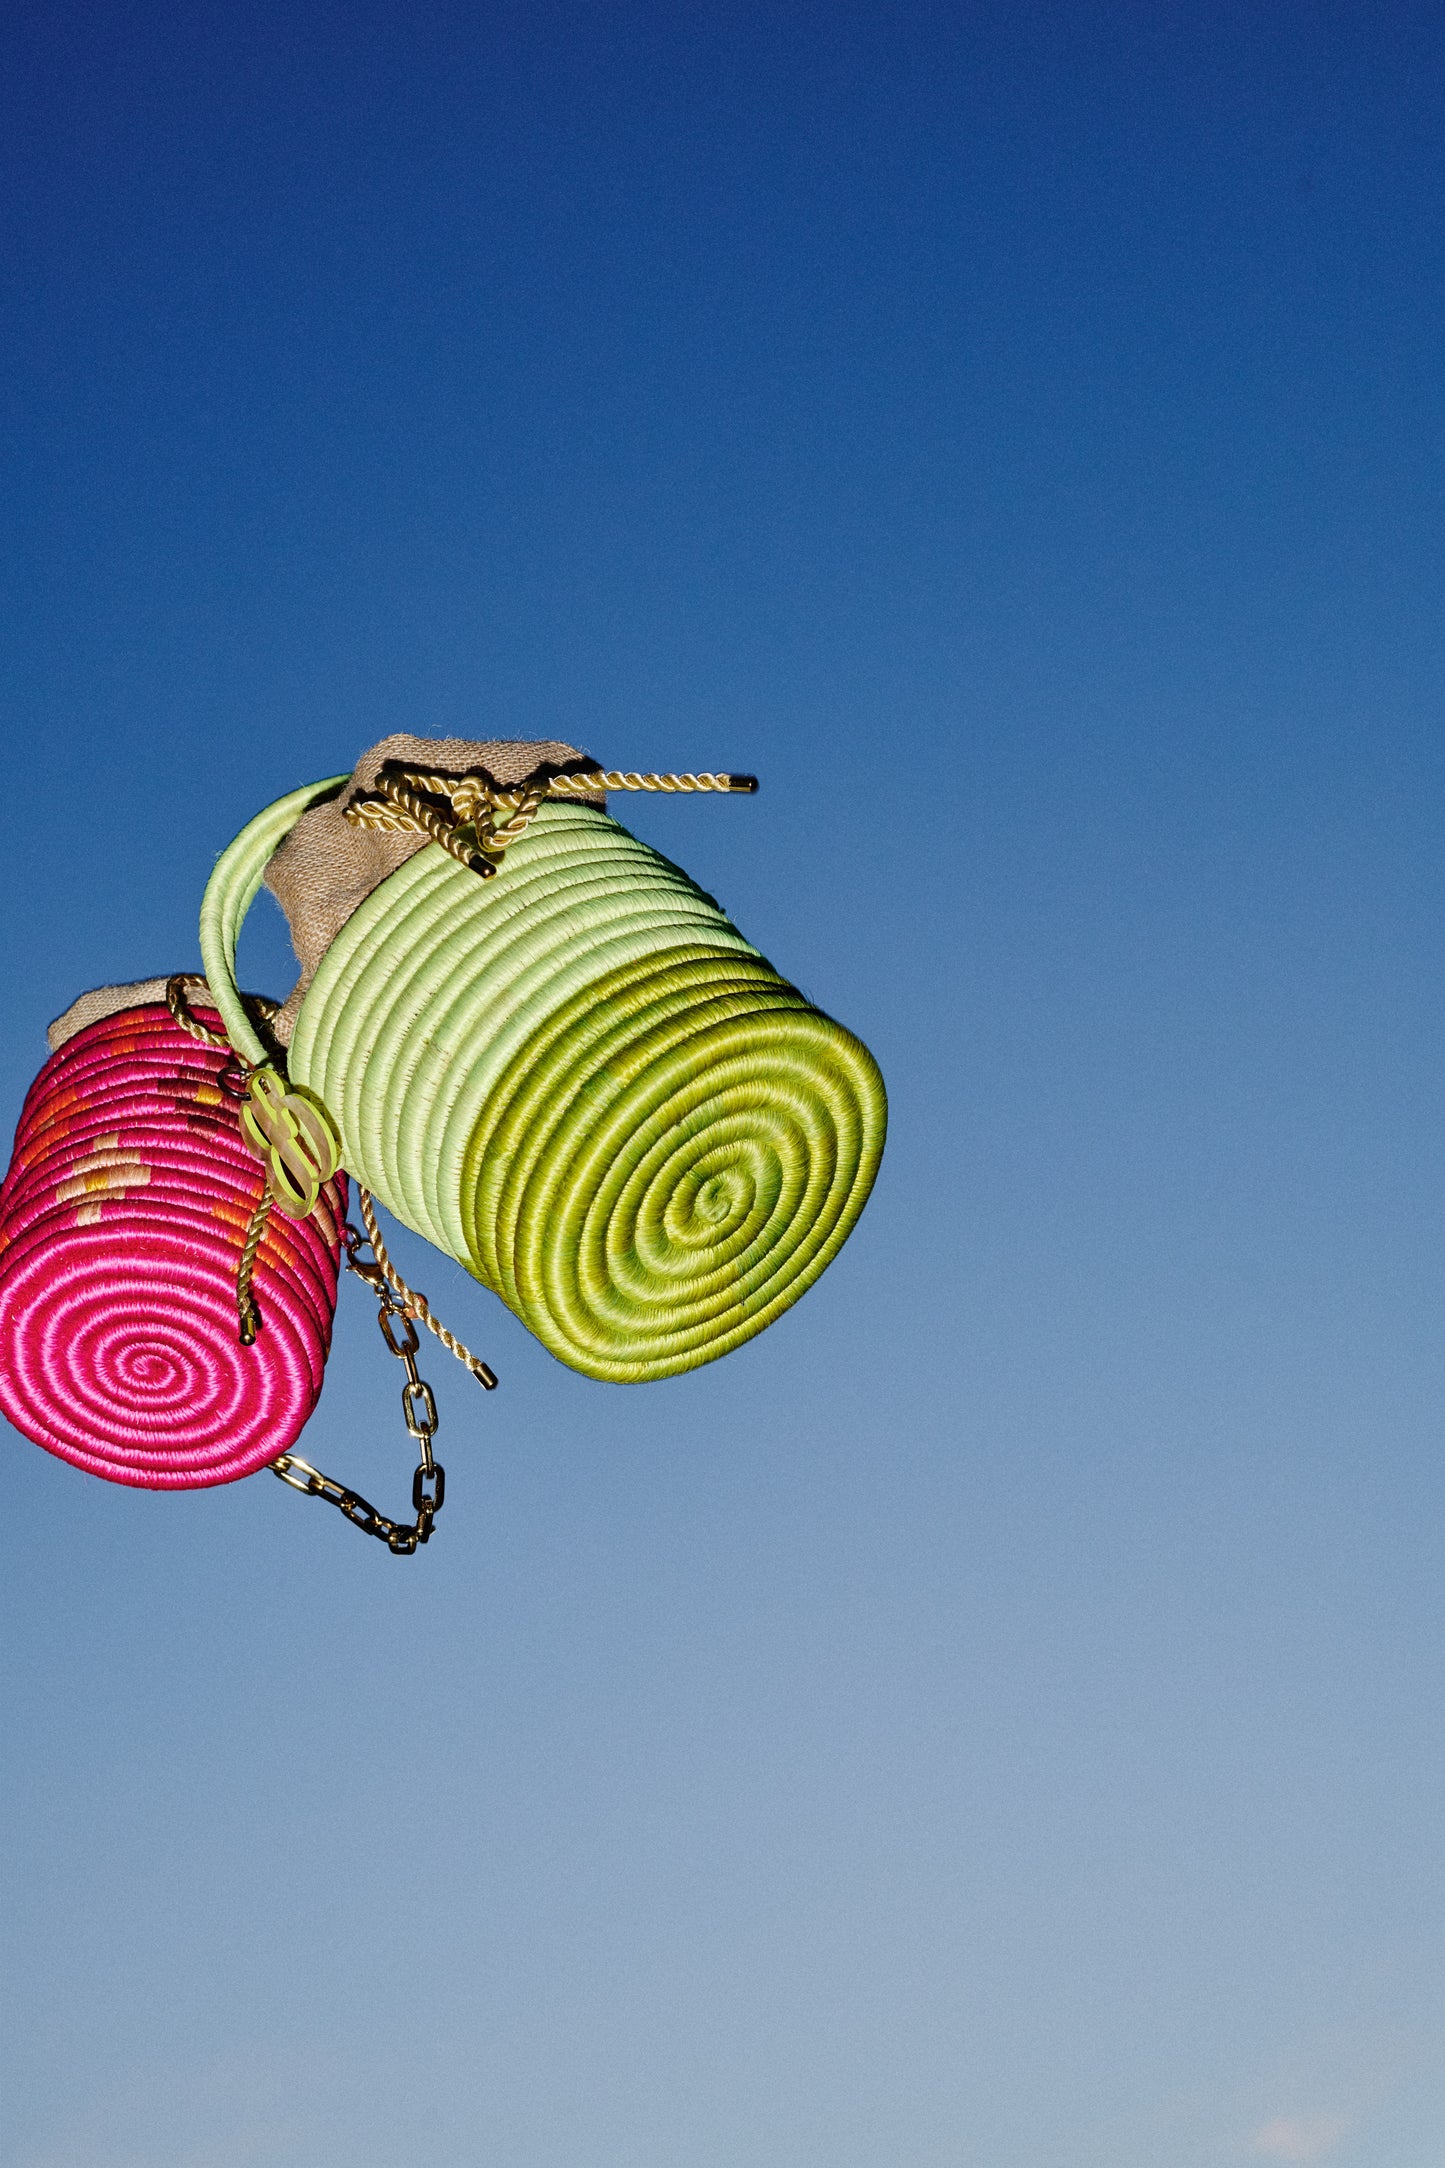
(993, 1720)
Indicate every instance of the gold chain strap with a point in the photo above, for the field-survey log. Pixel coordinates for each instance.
(398, 1322)
(419, 1410)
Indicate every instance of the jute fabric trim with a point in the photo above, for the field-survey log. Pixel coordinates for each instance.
(102, 1001)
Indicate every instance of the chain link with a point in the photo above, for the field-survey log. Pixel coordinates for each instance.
(419, 1412)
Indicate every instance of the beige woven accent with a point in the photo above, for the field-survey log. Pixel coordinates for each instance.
(138, 994)
(103, 1001)
(327, 867)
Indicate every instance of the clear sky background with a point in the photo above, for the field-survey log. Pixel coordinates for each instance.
(995, 1719)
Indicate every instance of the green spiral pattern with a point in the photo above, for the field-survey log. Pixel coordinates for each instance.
(582, 1081)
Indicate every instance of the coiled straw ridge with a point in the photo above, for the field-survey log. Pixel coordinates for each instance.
(121, 1223)
(581, 1080)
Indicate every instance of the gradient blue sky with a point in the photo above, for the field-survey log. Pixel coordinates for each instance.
(995, 1719)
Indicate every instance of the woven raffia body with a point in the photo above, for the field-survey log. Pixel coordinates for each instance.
(582, 1081)
(121, 1222)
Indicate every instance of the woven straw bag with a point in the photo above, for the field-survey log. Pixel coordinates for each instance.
(576, 1076)
(122, 1218)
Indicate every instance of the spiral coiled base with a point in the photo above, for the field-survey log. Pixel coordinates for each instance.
(121, 1224)
(670, 1162)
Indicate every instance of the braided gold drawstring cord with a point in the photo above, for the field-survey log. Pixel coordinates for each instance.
(248, 1314)
(595, 779)
(399, 808)
(179, 989)
(416, 1305)
(484, 810)
(486, 817)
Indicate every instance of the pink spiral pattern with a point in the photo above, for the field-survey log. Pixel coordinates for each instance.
(121, 1224)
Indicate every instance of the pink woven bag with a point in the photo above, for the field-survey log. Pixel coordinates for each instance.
(121, 1224)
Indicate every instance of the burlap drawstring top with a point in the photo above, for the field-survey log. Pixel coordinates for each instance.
(327, 866)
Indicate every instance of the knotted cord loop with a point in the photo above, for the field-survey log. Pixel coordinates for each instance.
(485, 817)
(398, 807)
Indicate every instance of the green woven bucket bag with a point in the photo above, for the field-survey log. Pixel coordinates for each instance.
(577, 1077)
